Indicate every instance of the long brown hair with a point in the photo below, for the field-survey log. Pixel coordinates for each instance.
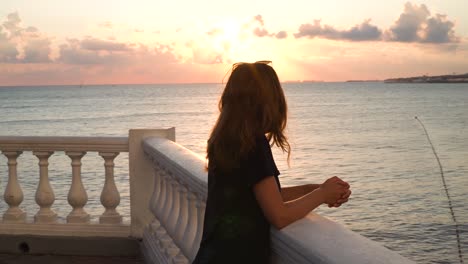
(252, 105)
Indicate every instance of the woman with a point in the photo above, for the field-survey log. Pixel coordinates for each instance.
(244, 193)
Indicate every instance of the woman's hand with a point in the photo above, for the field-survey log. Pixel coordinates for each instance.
(343, 199)
(334, 189)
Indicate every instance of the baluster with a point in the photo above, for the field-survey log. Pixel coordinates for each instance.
(13, 194)
(163, 238)
(191, 230)
(182, 221)
(159, 209)
(200, 217)
(110, 196)
(44, 194)
(77, 196)
(169, 200)
(174, 213)
(156, 199)
(156, 196)
(161, 234)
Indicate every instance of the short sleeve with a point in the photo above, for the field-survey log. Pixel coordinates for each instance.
(261, 163)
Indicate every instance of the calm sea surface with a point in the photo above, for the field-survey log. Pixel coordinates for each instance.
(364, 133)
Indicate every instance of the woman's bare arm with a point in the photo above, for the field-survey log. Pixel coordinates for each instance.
(294, 192)
(281, 214)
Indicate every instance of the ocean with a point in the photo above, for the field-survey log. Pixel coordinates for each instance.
(364, 133)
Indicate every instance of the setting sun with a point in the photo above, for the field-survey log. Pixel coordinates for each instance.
(231, 30)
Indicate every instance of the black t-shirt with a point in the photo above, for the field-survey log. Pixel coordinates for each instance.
(235, 229)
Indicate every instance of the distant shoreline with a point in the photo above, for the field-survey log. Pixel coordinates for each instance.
(460, 78)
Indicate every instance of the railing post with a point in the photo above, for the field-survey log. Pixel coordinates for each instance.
(44, 194)
(110, 197)
(77, 196)
(13, 194)
(141, 183)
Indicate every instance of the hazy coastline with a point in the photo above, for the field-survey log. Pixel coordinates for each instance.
(453, 78)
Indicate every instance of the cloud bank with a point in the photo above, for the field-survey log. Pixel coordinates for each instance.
(361, 32)
(415, 24)
(20, 44)
(28, 56)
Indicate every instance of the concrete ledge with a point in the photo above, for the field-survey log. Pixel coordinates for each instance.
(67, 230)
(77, 246)
(51, 259)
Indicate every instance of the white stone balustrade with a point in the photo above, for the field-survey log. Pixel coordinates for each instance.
(78, 221)
(178, 208)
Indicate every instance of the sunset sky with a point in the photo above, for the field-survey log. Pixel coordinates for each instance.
(115, 41)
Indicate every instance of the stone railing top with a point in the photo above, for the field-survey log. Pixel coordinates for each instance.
(316, 239)
(108, 144)
(185, 165)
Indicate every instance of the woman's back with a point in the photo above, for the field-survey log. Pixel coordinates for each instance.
(235, 229)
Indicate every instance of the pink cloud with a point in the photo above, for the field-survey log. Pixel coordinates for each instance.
(261, 31)
(8, 51)
(360, 32)
(99, 44)
(20, 44)
(25, 59)
(93, 60)
(416, 24)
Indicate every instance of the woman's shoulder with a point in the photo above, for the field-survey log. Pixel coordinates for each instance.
(261, 163)
(261, 141)
(262, 145)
